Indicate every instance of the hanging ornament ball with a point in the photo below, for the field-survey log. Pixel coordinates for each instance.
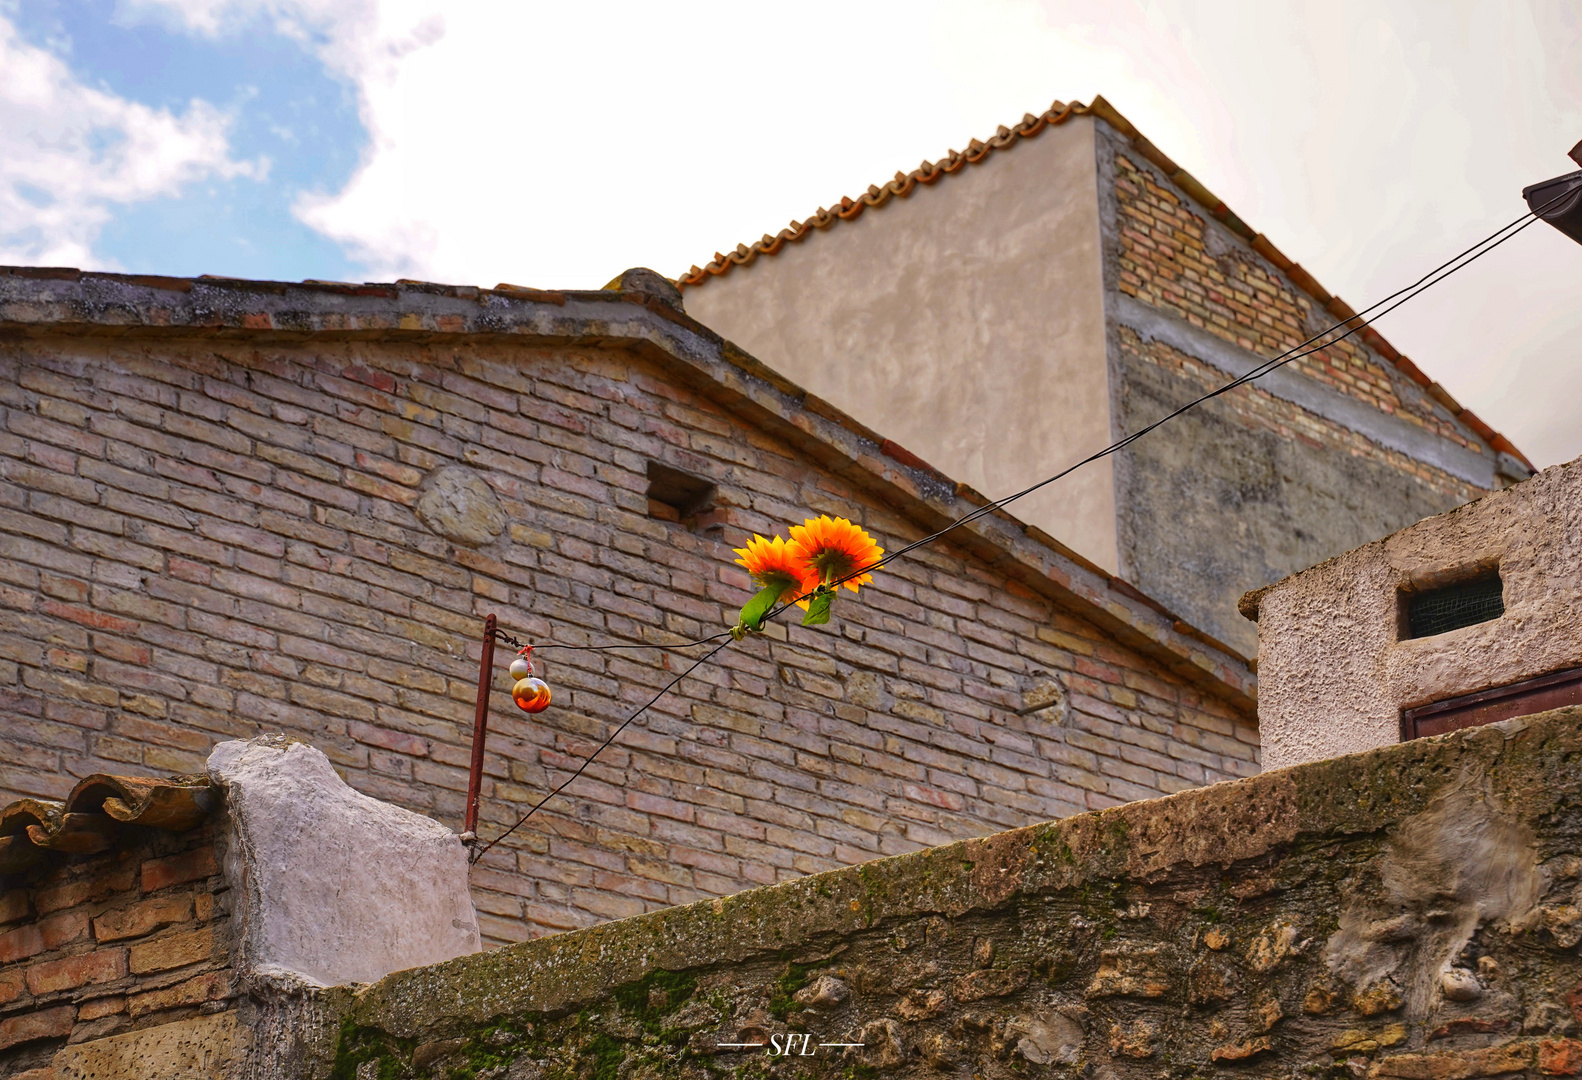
(531, 695)
(521, 668)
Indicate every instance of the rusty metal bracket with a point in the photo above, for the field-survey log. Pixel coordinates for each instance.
(480, 730)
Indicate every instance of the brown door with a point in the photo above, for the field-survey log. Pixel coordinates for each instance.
(1489, 706)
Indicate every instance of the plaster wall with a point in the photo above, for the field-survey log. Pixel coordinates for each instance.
(967, 312)
(1334, 671)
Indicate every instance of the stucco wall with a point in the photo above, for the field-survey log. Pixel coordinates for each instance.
(1408, 914)
(1334, 673)
(965, 322)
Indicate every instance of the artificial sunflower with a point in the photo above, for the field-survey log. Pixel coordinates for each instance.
(772, 565)
(834, 548)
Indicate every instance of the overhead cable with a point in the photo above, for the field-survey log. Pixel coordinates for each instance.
(1297, 352)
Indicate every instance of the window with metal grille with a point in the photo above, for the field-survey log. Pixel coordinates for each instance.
(1450, 607)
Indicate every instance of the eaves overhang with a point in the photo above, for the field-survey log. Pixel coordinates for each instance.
(90, 819)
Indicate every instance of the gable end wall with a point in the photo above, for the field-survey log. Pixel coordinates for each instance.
(208, 539)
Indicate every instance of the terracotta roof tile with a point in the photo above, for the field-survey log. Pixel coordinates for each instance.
(902, 186)
(89, 819)
(1031, 126)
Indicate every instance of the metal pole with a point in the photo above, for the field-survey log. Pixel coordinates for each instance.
(480, 730)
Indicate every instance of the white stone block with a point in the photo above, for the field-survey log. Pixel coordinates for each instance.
(332, 886)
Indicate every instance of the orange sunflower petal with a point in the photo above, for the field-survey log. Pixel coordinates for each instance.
(833, 547)
(770, 561)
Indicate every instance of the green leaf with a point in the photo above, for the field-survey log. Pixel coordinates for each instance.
(818, 607)
(752, 615)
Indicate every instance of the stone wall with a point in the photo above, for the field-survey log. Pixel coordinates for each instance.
(92, 946)
(203, 539)
(1336, 449)
(1406, 913)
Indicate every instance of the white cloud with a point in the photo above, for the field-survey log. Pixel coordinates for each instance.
(556, 144)
(69, 154)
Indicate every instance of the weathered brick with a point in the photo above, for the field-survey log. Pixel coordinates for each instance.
(50, 1023)
(20, 943)
(1560, 1057)
(97, 887)
(101, 966)
(12, 986)
(178, 869)
(171, 951)
(1514, 1056)
(14, 905)
(143, 917)
(95, 1008)
(213, 986)
(64, 928)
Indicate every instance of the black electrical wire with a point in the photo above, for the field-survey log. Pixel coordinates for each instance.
(1421, 285)
(501, 635)
(480, 852)
(1296, 352)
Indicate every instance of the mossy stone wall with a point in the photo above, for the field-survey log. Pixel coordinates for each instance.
(1411, 912)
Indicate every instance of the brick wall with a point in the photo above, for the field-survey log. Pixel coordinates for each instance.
(1171, 258)
(206, 540)
(94, 945)
(1253, 486)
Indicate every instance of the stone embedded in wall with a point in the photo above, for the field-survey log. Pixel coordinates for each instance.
(1047, 1036)
(459, 505)
(201, 1048)
(1463, 864)
(1045, 697)
(650, 285)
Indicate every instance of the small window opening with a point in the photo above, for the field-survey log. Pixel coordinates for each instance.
(1450, 607)
(680, 497)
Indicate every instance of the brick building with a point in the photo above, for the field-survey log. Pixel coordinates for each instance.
(112, 917)
(229, 507)
(1068, 282)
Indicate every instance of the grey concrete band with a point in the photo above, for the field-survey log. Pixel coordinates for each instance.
(1383, 429)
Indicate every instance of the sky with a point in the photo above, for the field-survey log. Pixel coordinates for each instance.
(555, 145)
